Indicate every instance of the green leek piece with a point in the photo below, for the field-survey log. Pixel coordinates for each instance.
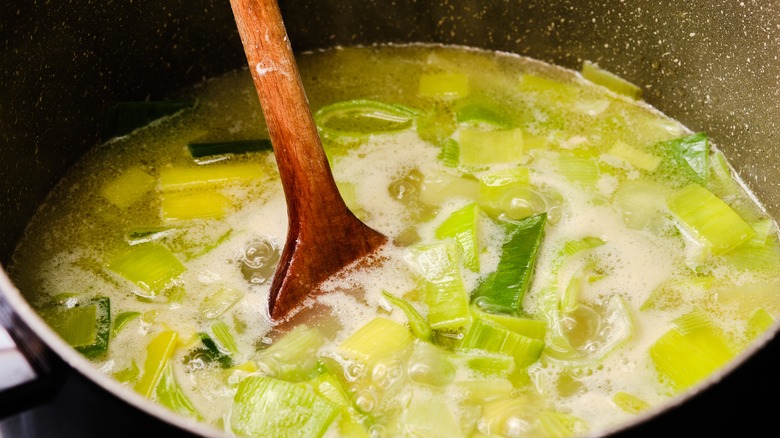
(121, 320)
(150, 266)
(685, 159)
(611, 81)
(447, 85)
(363, 117)
(755, 256)
(212, 352)
(444, 292)
(327, 386)
(158, 352)
(428, 416)
(224, 336)
(479, 147)
(437, 125)
(487, 364)
(437, 187)
(503, 289)
(479, 114)
(578, 169)
(708, 219)
(691, 351)
(294, 356)
(481, 390)
(641, 202)
(380, 337)
(417, 323)
(265, 407)
(722, 181)
(629, 402)
(214, 305)
(171, 395)
(500, 416)
(450, 153)
(127, 188)
(84, 324)
(532, 328)
(127, 375)
(556, 91)
(498, 190)
(204, 150)
(635, 157)
(430, 365)
(462, 226)
(759, 323)
(175, 178)
(493, 338)
(203, 204)
(125, 117)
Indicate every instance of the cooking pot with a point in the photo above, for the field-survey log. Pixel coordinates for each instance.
(713, 65)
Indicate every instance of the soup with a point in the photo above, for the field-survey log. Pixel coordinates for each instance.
(563, 256)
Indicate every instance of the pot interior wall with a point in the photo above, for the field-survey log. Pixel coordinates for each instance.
(712, 66)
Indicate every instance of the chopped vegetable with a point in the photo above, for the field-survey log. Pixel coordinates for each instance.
(83, 323)
(158, 352)
(598, 75)
(127, 188)
(150, 266)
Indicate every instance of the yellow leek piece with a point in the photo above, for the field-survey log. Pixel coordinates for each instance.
(498, 190)
(479, 147)
(613, 82)
(379, 338)
(759, 322)
(710, 220)
(462, 226)
(175, 178)
(214, 305)
(451, 85)
(127, 188)
(206, 204)
(691, 351)
(149, 265)
(629, 402)
(157, 354)
(635, 157)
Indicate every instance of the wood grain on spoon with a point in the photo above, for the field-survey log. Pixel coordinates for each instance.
(324, 236)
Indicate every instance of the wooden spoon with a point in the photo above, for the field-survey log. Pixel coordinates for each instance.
(324, 236)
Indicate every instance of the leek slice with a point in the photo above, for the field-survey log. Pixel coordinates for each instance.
(127, 188)
(214, 305)
(450, 153)
(211, 352)
(629, 402)
(684, 160)
(479, 147)
(437, 187)
(428, 416)
(224, 337)
(444, 85)
(533, 328)
(176, 178)
(479, 115)
(294, 356)
(203, 204)
(430, 365)
(158, 352)
(503, 289)
(462, 226)
(170, 394)
(635, 157)
(503, 191)
(125, 117)
(122, 319)
(445, 294)
(502, 417)
(380, 337)
(611, 81)
(326, 385)
(691, 351)
(708, 219)
(359, 118)
(264, 407)
(417, 323)
(150, 266)
(84, 324)
(493, 338)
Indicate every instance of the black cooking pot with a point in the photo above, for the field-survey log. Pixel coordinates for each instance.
(713, 65)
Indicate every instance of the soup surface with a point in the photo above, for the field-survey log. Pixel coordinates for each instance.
(564, 256)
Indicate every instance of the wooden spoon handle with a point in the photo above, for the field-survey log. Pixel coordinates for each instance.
(324, 236)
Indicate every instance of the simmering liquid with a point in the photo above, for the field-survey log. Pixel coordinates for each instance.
(564, 257)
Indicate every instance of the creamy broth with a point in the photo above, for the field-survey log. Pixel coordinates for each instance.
(622, 262)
